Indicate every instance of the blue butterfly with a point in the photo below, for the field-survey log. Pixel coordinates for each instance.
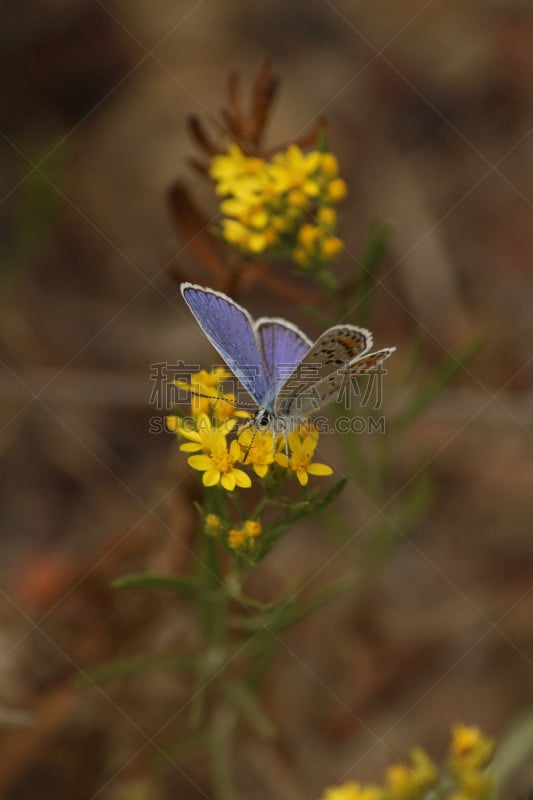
(286, 374)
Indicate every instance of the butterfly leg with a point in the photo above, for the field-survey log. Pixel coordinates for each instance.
(248, 424)
(281, 427)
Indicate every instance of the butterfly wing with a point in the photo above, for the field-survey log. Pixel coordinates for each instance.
(283, 346)
(328, 389)
(230, 329)
(336, 348)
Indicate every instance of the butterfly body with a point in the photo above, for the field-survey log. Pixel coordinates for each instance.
(288, 376)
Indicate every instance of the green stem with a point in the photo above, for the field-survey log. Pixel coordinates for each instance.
(221, 748)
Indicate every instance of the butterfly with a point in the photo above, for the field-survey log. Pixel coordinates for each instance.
(287, 375)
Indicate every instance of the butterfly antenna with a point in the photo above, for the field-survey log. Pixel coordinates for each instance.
(226, 398)
(250, 445)
(213, 397)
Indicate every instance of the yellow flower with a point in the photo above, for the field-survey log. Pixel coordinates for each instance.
(302, 449)
(266, 204)
(399, 780)
(291, 168)
(219, 466)
(424, 768)
(214, 378)
(200, 404)
(297, 198)
(469, 747)
(206, 395)
(234, 232)
(229, 169)
(337, 190)
(202, 435)
(213, 524)
(308, 235)
(311, 188)
(327, 216)
(259, 219)
(331, 247)
(409, 783)
(478, 785)
(240, 537)
(353, 791)
(257, 242)
(172, 423)
(236, 538)
(329, 165)
(252, 528)
(235, 207)
(222, 406)
(257, 450)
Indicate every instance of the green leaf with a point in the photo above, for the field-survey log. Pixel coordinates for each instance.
(378, 237)
(222, 750)
(288, 613)
(294, 513)
(322, 598)
(173, 583)
(326, 499)
(181, 748)
(414, 501)
(246, 703)
(121, 669)
(322, 140)
(317, 315)
(442, 376)
(237, 622)
(515, 750)
(34, 212)
(249, 602)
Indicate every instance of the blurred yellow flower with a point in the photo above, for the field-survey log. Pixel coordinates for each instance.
(331, 246)
(469, 753)
(410, 783)
(240, 537)
(252, 528)
(204, 388)
(353, 791)
(469, 747)
(272, 206)
(229, 169)
(329, 165)
(327, 216)
(423, 768)
(213, 524)
(207, 396)
(337, 190)
(236, 538)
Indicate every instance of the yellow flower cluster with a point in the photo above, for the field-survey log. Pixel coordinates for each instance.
(245, 535)
(469, 754)
(240, 538)
(285, 205)
(302, 445)
(410, 783)
(221, 461)
(207, 396)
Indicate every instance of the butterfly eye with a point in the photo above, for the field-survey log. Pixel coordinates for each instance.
(262, 419)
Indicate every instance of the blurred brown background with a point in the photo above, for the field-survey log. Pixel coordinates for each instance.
(430, 110)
